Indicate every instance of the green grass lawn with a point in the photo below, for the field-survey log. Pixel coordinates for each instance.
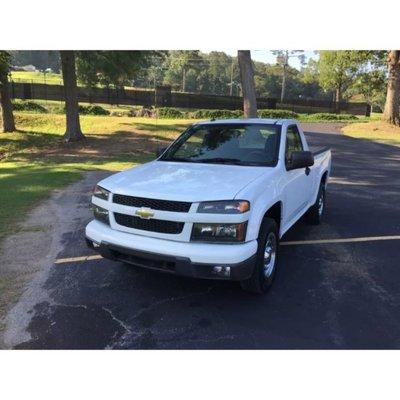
(34, 160)
(375, 130)
(36, 77)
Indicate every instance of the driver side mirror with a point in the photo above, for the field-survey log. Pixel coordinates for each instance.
(300, 159)
(160, 150)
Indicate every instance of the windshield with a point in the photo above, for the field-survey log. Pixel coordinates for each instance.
(237, 144)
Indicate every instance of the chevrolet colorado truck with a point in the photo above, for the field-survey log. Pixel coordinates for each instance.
(215, 203)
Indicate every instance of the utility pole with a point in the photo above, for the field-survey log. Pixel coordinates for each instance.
(283, 60)
(285, 65)
(231, 85)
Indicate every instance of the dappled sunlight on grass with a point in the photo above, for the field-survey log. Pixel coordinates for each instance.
(109, 139)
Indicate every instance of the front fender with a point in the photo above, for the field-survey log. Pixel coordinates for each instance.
(257, 216)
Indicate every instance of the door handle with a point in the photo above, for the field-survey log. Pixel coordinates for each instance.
(307, 171)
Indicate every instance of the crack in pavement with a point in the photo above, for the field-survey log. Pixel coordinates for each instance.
(131, 334)
(119, 321)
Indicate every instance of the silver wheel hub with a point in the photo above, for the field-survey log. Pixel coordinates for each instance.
(269, 255)
(321, 204)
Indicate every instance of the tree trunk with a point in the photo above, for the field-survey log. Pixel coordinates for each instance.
(184, 79)
(391, 112)
(248, 88)
(73, 131)
(231, 85)
(6, 108)
(283, 83)
(285, 65)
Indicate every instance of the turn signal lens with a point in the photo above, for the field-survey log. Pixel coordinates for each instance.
(224, 207)
(100, 192)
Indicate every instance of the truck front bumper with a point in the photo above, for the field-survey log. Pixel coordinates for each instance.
(199, 260)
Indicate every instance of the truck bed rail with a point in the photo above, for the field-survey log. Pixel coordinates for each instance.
(320, 151)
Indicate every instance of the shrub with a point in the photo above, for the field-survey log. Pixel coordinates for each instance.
(93, 110)
(332, 117)
(170, 112)
(266, 113)
(217, 114)
(30, 106)
(84, 110)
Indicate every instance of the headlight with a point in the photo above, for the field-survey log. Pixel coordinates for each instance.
(224, 207)
(101, 214)
(101, 193)
(219, 232)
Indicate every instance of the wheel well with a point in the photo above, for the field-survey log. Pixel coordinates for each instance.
(275, 212)
(324, 178)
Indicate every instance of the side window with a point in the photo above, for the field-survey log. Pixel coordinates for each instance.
(293, 142)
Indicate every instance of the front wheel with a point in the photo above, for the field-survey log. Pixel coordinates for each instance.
(266, 259)
(316, 211)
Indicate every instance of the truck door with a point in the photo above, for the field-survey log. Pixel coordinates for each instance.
(298, 181)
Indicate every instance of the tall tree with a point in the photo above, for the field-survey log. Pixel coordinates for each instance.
(73, 132)
(282, 58)
(391, 113)
(337, 70)
(247, 80)
(183, 66)
(5, 100)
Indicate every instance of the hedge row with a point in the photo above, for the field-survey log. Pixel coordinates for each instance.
(277, 114)
(216, 114)
(170, 112)
(332, 117)
(173, 113)
(85, 110)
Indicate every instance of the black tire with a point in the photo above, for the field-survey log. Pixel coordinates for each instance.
(262, 277)
(315, 213)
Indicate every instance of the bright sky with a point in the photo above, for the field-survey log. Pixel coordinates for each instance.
(267, 57)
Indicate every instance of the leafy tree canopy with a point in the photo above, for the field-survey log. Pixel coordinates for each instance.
(109, 67)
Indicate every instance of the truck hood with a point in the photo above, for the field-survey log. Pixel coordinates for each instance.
(183, 181)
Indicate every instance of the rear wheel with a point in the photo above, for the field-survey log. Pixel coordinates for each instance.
(266, 259)
(316, 211)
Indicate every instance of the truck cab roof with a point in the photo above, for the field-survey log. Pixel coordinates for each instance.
(278, 121)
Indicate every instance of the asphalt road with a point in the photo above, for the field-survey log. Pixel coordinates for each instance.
(325, 296)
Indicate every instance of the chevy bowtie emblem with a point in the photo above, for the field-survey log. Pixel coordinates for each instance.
(144, 213)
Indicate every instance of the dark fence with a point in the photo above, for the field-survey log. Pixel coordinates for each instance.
(311, 106)
(197, 100)
(162, 96)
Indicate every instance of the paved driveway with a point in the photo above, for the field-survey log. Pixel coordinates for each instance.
(330, 295)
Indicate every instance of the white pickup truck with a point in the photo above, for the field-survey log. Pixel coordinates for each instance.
(215, 203)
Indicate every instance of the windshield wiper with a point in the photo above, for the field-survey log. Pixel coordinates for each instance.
(177, 159)
(215, 160)
(219, 160)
